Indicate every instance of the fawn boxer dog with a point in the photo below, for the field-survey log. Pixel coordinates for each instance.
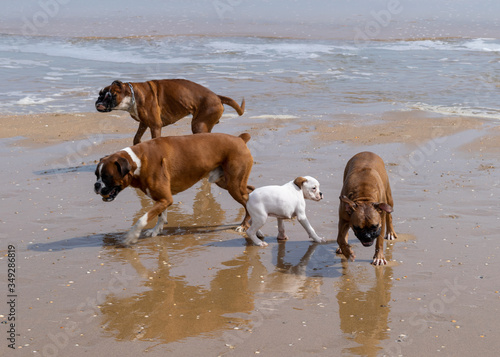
(165, 166)
(282, 202)
(158, 103)
(365, 205)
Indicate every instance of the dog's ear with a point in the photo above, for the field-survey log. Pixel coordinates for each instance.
(299, 181)
(349, 205)
(123, 166)
(118, 83)
(383, 207)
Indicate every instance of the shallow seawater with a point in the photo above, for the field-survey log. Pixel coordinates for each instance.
(277, 76)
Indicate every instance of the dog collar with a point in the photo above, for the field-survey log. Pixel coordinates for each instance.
(133, 94)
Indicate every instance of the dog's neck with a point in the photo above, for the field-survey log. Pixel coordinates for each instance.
(133, 107)
(132, 92)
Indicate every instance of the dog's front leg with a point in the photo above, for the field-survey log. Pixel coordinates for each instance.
(344, 248)
(162, 220)
(281, 230)
(133, 235)
(390, 234)
(140, 132)
(379, 258)
(309, 229)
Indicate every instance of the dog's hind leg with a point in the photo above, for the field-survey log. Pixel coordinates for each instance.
(236, 177)
(281, 230)
(258, 220)
(204, 121)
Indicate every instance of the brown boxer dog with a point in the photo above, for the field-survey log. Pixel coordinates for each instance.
(365, 205)
(165, 166)
(158, 103)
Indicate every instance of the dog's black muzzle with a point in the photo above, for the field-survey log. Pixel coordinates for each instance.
(105, 102)
(108, 194)
(367, 235)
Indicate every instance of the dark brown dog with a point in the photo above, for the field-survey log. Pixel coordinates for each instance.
(158, 103)
(165, 166)
(365, 205)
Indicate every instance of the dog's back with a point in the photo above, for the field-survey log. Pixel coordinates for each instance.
(362, 169)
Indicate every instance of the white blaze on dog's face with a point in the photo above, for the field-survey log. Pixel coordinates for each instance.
(310, 188)
(113, 174)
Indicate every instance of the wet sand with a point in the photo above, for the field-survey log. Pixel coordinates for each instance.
(201, 290)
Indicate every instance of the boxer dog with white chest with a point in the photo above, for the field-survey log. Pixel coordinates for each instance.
(165, 166)
(157, 103)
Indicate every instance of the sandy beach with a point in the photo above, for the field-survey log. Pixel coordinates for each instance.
(201, 290)
(414, 81)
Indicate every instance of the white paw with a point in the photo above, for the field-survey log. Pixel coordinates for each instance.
(379, 261)
(319, 240)
(261, 244)
(151, 232)
(390, 236)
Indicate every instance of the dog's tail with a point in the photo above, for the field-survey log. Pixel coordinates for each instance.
(245, 137)
(240, 109)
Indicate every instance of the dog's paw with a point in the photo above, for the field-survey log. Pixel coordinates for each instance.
(240, 229)
(391, 236)
(261, 244)
(347, 252)
(379, 261)
(319, 240)
(130, 238)
(282, 236)
(152, 232)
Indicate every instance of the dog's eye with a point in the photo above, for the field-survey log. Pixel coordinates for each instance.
(314, 188)
(105, 177)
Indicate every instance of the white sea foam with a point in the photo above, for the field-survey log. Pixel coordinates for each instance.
(489, 113)
(274, 116)
(475, 45)
(33, 101)
(483, 45)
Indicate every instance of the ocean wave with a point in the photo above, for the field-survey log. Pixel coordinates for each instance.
(274, 116)
(469, 45)
(490, 113)
(33, 101)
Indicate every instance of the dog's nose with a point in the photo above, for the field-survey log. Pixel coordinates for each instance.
(321, 195)
(97, 187)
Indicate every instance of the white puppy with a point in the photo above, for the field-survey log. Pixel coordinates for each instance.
(282, 202)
